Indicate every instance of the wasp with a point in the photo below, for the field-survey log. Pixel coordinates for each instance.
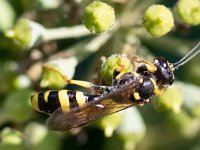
(72, 109)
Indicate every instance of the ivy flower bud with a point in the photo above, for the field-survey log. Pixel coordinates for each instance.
(120, 63)
(110, 126)
(158, 20)
(189, 11)
(98, 17)
(171, 99)
(6, 21)
(196, 111)
(22, 110)
(132, 129)
(25, 34)
(11, 137)
(51, 78)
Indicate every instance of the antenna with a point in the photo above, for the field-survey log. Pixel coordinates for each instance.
(187, 57)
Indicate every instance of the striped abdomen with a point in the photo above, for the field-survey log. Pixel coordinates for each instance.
(49, 101)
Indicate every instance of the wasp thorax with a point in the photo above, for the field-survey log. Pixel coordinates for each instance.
(164, 71)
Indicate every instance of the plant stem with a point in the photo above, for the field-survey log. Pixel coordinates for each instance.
(66, 32)
(85, 48)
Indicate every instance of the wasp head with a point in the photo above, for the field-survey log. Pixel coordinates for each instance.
(164, 71)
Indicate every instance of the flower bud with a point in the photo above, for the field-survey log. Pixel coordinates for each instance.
(98, 17)
(51, 78)
(110, 126)
(25, 34)
(189, 11)
(112, 63)
(132, 129)
(17, 107)
(11, 137)
(158, 20)
(7, 15)
(38, 137)
(171, 99)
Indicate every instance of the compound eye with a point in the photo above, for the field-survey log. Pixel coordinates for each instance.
(163, 64)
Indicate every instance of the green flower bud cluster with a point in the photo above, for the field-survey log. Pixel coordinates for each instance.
(25, 34)
(109, 126)
(11, 139)
(17, 107)
(112, 63)
(22, 82)
(171, 99)
(98, 17)
(127, 124)
(196, 111)
(132, 128)
(51, 78)
(7, 15)
(158, 20)
(39, 137)
(183, 122)
(189, 11)
(34, 135)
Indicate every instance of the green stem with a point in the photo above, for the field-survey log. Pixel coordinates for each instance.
(66, 32)
(85, 48)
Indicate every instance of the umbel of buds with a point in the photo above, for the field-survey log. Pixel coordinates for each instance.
(189, 11)
(158, 20)
(112, 63)
(98, 17)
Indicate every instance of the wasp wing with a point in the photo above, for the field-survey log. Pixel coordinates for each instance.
(105, 105)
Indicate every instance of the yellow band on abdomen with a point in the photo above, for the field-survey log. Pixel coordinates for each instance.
(34, 101)
(64, 100)
(80, 98)
(46, 95)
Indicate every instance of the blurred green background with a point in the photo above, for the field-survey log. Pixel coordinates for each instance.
(53, 33)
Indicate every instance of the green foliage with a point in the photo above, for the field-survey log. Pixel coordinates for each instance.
(53, 34)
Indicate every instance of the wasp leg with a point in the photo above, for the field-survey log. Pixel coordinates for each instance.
(119, 70)
(81, 83)
(66, 78)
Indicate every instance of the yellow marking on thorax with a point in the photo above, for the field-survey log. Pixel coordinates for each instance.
(80, 98)
(157, 91)
(150, 66)
(64, 100)
(46, 95)
(34, 101)
(136, 74)
(136, 96)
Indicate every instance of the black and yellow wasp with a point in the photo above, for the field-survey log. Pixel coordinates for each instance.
(71, 109)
